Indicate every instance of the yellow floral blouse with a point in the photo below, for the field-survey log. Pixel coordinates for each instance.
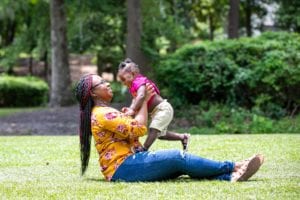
(116, 136)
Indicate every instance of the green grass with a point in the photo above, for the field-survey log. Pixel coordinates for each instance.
(47, 167)
(11, 111)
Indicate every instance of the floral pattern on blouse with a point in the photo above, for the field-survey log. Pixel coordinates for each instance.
(116, 136)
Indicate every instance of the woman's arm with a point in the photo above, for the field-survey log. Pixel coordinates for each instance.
(120, 124)
(125, 126)
(142, 114)
(139, 99)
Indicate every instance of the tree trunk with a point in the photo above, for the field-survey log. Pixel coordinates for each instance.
(46, 66)
(211, 28)
(60, 79)
(233, 19)
(10, 33)
(99, 64)
(248, 17)
(30, 65)
(134, 35)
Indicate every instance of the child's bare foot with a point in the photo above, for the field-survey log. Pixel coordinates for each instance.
(185, 141)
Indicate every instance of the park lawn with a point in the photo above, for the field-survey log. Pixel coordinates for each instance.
(47, 167)
(13, 110)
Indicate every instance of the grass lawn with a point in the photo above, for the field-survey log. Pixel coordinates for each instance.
(47, 167)
(10, 111)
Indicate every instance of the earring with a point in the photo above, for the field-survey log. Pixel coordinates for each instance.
(93, 94)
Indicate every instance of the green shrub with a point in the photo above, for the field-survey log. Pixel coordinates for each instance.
(208, 118)
(201, 130)
(261, 124)
(287, 125)
(261, 73)
(119, 92)
(22, 91)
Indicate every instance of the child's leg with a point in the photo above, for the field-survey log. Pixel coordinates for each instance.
(161, 118)
(152, 135)
(183, 137)
(172, 136)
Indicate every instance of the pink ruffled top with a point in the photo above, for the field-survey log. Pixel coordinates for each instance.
(138, 82)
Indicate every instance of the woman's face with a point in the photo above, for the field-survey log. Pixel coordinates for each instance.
(101, 89)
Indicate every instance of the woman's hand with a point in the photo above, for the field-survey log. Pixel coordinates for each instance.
(128, 111)
(140, 149)
(149, 92)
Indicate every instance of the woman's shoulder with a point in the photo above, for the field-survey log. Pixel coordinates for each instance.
(103, 110)
(105, 113)
(108, 114)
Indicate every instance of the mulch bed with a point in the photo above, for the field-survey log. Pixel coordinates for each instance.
(52, 121)
(48, 121)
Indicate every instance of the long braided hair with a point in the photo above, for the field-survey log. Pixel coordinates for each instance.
(85, 100)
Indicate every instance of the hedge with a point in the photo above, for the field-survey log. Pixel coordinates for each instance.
(260, 73)
(22, 91)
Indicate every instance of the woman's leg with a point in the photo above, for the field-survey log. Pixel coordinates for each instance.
(166, 164)
(197, 167)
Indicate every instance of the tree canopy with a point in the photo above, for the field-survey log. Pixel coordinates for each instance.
(101, 28)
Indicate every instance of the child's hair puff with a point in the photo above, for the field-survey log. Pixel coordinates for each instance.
(129, 66)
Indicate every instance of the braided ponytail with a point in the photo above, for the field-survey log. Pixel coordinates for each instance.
(86, 104)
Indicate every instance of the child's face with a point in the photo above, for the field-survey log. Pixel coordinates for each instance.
(126, 77)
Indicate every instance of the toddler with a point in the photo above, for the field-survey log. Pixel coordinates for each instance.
(160, 110)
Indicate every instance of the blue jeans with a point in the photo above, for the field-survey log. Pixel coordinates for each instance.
(169, 164)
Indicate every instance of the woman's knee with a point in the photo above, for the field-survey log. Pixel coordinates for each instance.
(172, 154)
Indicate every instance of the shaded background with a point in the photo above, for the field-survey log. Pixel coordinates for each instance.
(202, 53)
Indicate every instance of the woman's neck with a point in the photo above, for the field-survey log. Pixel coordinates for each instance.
(101, 103)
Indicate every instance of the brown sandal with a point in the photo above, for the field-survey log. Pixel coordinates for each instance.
(260, 156)
(250, 167)
(185, 141)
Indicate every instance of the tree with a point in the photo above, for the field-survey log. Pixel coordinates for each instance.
(250, 8)
(287, 16)
(24, 28)
(210, 12)
(233, 19)
(164, 27)
(248, 14)
(134, 35)
(9, 18)
(98, 27)
(60, 79)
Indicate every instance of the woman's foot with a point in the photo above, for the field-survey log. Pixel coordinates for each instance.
(185, 141)
(248, 169)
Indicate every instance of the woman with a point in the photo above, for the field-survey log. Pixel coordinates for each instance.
(121, 156)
